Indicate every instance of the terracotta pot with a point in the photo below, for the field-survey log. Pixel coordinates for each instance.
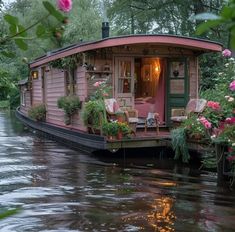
(110, 137)
(119, 135)
(197, 136)
(119, 118)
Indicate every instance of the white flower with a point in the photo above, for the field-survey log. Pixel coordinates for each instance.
(226, 65)
(233, 144)
(231, 59)
(226, 97)
(220, 73)
(231, 99)
(213, 136)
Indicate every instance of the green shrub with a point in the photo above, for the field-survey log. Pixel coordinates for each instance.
(4, 104)
(70, 104)
(38, 112)
(94, 113)
(179, 144)
(110, 128)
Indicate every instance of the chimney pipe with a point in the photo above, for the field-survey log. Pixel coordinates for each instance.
(105, 30)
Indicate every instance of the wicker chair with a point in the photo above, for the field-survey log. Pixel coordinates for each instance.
(114, 112)
(194, 106)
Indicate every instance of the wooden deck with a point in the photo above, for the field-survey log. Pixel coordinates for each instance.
(141, 140)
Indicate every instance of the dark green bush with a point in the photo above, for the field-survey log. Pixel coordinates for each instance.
(38, 112)
(70, 104)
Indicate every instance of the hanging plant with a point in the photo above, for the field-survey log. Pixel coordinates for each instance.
(70, 105)
(69, 62)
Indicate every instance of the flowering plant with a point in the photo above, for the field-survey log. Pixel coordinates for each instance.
(110, 128)
(102, 89)
(194, 127)
(124, 128)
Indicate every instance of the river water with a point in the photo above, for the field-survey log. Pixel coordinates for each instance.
(60, 189)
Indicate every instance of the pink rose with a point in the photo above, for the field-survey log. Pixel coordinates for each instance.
(213, 105)
(105, 95)
(97, 84)
(226, 53)
(64, 5)
(205, 122)
(232, 85)
(207, 125)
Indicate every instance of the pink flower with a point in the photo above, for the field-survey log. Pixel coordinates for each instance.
(230, 120)
(97, 84)
(205, 122)
(231, 158)
(213, 105)
(207, 125)
(64, 5)
(226, 53)
(232, 85)
(105, 95)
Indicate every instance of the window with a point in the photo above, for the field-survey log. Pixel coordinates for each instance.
(124, 78)
(22, 97)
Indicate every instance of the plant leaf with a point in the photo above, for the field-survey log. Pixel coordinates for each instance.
(21, 28)
(21, 44)
(51, 9)
(40, 31)
(12, 20)
(203, 27)
(8, 54)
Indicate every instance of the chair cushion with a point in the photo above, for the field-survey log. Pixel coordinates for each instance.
(133, 120)
(178, 118)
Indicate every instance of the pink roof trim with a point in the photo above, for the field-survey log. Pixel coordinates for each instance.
(190, 43)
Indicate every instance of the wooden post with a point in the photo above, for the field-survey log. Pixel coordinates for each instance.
(219, 149)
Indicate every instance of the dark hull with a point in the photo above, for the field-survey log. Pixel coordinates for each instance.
(82, 141)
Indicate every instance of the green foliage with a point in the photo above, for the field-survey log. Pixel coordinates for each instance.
(4, 104)
(193, 126)
(66, 62)
(179, 144)
(124, 128)
(110, 128)
(51, 9)
(38, 112)
(94, 113)
(226, 19)
(210, 65)
(222, 79)
(70, 104)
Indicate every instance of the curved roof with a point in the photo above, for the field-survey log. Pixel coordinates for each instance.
(165, 40)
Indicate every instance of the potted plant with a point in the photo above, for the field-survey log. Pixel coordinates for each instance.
(110, 129)
(70, 105)
(123, 129)
(94, 114)
(38, 112)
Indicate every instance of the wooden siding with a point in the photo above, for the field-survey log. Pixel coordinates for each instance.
(55, 88)
(193, 77)
(25, 108)
(37, 89)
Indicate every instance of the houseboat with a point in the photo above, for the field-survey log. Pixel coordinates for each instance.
(148, 73)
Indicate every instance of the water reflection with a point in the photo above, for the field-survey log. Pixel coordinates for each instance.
(59, 189)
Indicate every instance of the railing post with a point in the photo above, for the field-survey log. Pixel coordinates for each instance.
(219, 149)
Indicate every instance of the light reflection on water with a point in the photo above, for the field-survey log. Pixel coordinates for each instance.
(59, 189)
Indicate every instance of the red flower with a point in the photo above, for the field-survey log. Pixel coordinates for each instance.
(213, 105)
(231, 158)
(230, 120)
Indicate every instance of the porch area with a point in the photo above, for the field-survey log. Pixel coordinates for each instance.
(141, 139)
